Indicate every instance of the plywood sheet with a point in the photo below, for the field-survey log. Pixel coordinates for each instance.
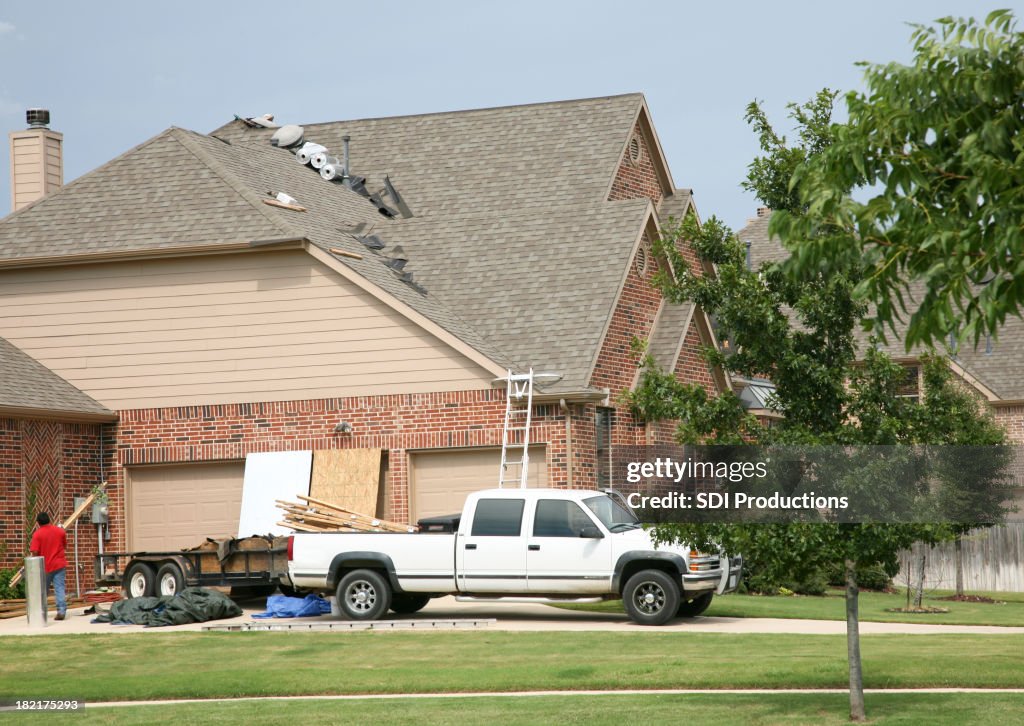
(268, 477)
(348, 478)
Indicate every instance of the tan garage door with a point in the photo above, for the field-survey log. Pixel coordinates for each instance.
(172, 507)
(440, 480)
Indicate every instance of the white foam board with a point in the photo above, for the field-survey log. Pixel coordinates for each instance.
(270, 476)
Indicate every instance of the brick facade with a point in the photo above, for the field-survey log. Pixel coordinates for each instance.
(1011, 418)
(637, 178)
(44, 465)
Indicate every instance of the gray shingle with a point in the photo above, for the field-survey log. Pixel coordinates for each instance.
(28, 384)
(513, 246)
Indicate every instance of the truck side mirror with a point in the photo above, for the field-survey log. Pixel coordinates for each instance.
(589, 531)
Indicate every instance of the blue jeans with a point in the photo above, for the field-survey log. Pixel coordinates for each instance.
(56, 578)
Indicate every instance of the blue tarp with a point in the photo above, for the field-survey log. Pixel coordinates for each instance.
(282, 606)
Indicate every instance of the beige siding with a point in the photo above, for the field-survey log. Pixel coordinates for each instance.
(36, 165)
(262, 326)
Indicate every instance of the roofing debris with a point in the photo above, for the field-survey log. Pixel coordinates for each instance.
(315, 515)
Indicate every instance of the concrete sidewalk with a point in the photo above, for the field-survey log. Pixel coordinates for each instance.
(532, 618)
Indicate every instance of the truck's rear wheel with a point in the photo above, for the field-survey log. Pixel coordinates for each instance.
(139, 580)
(651, 597)
(405, 603)
(169, 580)
(363, 595)
(694, 607)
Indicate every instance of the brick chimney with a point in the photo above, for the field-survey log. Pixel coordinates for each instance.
(37, 160)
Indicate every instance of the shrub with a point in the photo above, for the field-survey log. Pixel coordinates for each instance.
(6, 591)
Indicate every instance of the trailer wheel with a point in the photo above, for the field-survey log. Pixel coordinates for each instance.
(651, 597)
(169, 580)
(406, 604)
(694, 607)
(363, 595)
(139, 580)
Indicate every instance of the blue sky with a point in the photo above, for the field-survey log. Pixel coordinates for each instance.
(116, 73)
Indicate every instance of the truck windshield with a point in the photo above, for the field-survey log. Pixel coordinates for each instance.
(612, 514)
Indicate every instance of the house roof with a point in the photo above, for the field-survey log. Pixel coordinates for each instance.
(29, 388)
(512, 245)
(998, 365)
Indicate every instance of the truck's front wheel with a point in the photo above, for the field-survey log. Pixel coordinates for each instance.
(363, 595)
(651, 597)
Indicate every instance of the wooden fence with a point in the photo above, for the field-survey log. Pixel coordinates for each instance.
(993, 560)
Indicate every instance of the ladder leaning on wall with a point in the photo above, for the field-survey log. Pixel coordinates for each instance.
(515, 439)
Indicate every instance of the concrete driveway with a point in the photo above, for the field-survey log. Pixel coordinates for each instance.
(527, 618)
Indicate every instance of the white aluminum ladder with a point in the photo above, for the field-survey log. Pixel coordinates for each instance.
(518, 414)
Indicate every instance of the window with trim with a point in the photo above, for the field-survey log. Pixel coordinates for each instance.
(498, 518)
(559, 518)
(910, 387)
(603, 434)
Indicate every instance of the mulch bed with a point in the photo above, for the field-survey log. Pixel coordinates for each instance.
(918, 611)
(970, 598)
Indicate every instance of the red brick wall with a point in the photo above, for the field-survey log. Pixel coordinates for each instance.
(396, 423)
(640, 179)
(59, 461)
(691, 366)
(1011, 418)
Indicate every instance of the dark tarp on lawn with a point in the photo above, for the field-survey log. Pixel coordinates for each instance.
(191, 605)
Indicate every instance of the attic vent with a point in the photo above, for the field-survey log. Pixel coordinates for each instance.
(635, 151)
(641, 261)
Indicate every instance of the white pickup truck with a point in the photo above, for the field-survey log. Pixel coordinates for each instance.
(514, 545)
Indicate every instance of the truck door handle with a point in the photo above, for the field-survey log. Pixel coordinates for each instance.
(533, 547)
(471, 547)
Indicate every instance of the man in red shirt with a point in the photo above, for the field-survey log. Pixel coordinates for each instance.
(50, 542)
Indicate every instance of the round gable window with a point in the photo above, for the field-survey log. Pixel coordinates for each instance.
(635, 151)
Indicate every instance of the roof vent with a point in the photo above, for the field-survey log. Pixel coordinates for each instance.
(763, 212)
(287, 136)
(38, 118)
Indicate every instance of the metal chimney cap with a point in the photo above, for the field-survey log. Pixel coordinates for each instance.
(37, 118)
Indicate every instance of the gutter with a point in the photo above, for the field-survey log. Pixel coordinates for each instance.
(152, 253)
(52, 414)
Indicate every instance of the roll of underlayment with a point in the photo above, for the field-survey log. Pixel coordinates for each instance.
(308, 150)
(321, 158)
(332, 171)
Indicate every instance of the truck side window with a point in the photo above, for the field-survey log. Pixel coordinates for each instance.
(559, 518)
(498, 518)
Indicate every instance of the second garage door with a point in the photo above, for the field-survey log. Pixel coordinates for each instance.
(440, 480)
(173, 507)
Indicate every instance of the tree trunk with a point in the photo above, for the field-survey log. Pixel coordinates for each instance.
(919, 589)
(853, 645)
(959, 565)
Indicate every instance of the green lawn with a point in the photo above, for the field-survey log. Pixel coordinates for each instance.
(935, 709)
(873, 607)
(205, 665)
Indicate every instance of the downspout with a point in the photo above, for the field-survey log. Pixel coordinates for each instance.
(568, 442)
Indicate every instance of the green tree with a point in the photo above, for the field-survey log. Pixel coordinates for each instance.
(801, 333)
(936, 150)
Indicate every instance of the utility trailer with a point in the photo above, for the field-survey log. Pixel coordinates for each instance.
(250, 567)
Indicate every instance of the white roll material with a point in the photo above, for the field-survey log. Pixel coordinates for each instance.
(321, 158)
(332, 172)
(308, 150)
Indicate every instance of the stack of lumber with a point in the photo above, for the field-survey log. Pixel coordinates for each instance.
(314, 515)
(16, 608)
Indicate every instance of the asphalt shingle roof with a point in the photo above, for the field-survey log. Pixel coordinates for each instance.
(997, 364)
(513, 246)
(28, 384)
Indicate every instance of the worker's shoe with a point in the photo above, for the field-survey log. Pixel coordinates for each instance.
(60, 616)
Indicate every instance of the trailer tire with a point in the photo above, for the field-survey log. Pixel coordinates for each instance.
(694, 607)
(408, 603)
(363, 595)
(651, 597)
(170, 580)
(139, 580)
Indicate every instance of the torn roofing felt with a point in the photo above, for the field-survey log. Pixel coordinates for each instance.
(512, 246)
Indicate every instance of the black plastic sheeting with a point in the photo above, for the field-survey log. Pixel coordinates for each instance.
(191, 605)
